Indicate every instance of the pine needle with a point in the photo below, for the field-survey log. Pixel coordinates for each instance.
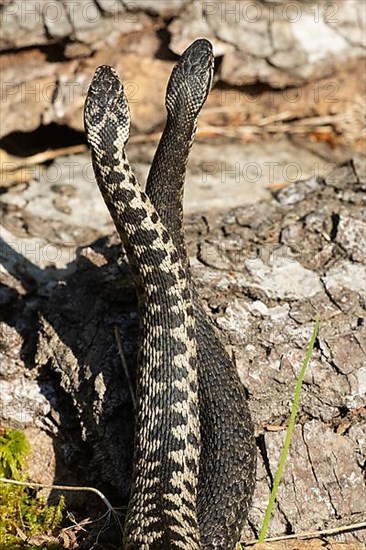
(290, 428)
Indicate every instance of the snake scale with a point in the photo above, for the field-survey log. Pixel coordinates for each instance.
(194, 461)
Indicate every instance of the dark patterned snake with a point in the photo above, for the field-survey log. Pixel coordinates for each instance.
(194, 462)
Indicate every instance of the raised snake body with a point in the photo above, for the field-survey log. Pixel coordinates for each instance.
(194, 458)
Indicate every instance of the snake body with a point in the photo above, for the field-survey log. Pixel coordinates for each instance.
(194, 461)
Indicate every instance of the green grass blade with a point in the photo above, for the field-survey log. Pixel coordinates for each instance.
(290, 428)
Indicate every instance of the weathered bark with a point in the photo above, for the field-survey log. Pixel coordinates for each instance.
(263, 271)
(51, 49)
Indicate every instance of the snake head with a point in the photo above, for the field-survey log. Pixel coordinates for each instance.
(106, 112)
(191, 80)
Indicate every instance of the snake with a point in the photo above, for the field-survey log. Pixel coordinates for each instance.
(194, 452)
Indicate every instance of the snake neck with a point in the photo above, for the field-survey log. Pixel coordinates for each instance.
(165, 183)
(162, 511)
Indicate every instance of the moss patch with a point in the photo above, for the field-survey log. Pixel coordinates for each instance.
(23, 515)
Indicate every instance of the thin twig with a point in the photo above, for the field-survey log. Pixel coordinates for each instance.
(44, 156)
(125, 366)
(312, 534)
(79, 524)
(65, 488)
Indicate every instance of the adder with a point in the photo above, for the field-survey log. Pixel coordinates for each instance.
(194, 460)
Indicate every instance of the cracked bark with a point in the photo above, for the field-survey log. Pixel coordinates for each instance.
(70, 381)
(263, 270)
(56, 46)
